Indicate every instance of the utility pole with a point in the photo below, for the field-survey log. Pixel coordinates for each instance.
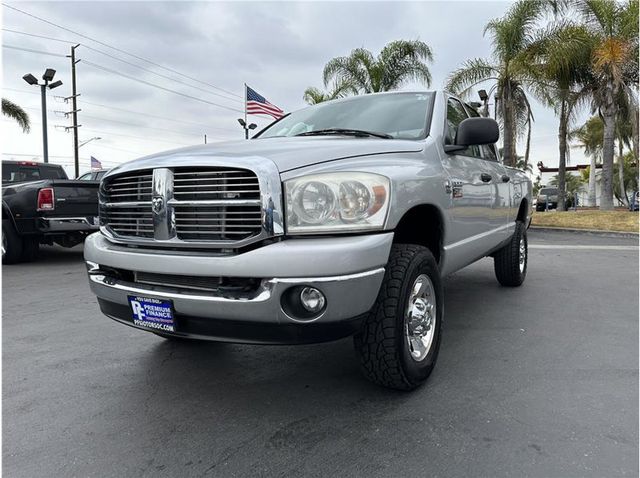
(74, 103)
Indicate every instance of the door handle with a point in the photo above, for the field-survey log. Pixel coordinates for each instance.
(486, 177)
(505, 178)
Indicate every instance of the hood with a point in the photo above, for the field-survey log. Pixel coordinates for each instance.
(286, 153)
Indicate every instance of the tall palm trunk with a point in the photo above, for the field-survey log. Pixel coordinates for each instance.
(634, 131)
(608, 147)
(509, 145)
(623, 189)
(562, 160)
(591, 198)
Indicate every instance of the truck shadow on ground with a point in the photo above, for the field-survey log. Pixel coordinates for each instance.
(232, 375)
(293, 399)
(56, 255)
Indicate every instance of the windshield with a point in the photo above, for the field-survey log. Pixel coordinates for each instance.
(549, 191)
(399, 115)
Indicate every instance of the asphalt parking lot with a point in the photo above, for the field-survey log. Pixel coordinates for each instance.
(536, 381)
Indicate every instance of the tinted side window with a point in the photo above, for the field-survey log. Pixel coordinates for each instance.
(85, 177)
(455, 114)
(100, 174)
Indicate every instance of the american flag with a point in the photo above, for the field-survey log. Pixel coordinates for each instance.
(257, 104)
(95, 164)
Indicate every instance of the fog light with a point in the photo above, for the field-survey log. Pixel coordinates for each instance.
(312, 299)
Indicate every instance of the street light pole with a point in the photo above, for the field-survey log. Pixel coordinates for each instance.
(246, 127)
(32, 80)
(45, 141)
(88, 141)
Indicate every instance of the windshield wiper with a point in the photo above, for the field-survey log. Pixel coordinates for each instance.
(351, 132)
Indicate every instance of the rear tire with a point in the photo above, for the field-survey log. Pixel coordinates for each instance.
(510, 262)
(11, 243)
(400, 337)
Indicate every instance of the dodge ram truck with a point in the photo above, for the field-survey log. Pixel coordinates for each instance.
(338, 219)
(40, 205)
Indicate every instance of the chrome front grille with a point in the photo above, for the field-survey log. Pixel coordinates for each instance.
(184, 206)
(125, 216)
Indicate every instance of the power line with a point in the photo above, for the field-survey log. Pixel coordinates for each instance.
(161, 87)
(126, 62)
(145, 139)
(174, 120)
(41, 52)
(136, 137)
(190, 134)
(155, 116)
(120, 50)
(161, 75)
(38, 36)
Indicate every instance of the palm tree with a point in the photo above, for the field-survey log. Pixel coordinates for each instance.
(614, 28)
(563, 54)
(590, 137)
(398, 62)
(510, 70)
(12, 110)
(313, 95)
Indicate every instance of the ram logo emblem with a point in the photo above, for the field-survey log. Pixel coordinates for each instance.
(157, 204)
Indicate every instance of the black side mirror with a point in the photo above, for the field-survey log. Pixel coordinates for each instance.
(474, 131)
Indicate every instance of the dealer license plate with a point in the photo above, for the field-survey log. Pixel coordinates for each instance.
(152, 313)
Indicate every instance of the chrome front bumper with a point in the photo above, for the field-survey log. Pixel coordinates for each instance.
(348, 271)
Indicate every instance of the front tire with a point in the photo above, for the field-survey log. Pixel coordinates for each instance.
(11, 243)
(400, 337)
(510, 262)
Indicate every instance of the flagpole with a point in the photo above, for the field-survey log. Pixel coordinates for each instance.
(245, 111)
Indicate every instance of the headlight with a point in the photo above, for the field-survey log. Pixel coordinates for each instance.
(336, 202)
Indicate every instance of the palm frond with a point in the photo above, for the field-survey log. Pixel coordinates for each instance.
(12, 110)
(471, 73)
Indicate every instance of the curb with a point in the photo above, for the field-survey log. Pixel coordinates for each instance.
(596, 232)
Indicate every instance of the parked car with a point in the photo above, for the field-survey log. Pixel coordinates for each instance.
(550, 196)
(40, 205)
(94, 175)
(339, 219)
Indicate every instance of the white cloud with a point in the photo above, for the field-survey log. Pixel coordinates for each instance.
(278, 48)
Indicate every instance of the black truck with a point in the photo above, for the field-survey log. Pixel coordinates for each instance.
(41, 205)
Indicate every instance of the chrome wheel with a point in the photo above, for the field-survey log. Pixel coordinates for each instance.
(522, 255)
(420, 318)
(4, 244)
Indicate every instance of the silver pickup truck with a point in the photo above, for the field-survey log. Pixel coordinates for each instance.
(338, 219)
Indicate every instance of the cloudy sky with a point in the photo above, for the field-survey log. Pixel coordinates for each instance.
(209, 49)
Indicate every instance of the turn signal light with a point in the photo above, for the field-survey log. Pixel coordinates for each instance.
(46, 199)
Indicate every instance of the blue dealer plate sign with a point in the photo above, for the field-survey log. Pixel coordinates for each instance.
(152, 313)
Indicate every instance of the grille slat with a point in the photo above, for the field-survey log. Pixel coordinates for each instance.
(217, 185)
(209, 205)
(214, 179)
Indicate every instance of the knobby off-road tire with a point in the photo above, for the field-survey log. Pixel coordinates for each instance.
(383, 342)
(510, 262)
(11, 243)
